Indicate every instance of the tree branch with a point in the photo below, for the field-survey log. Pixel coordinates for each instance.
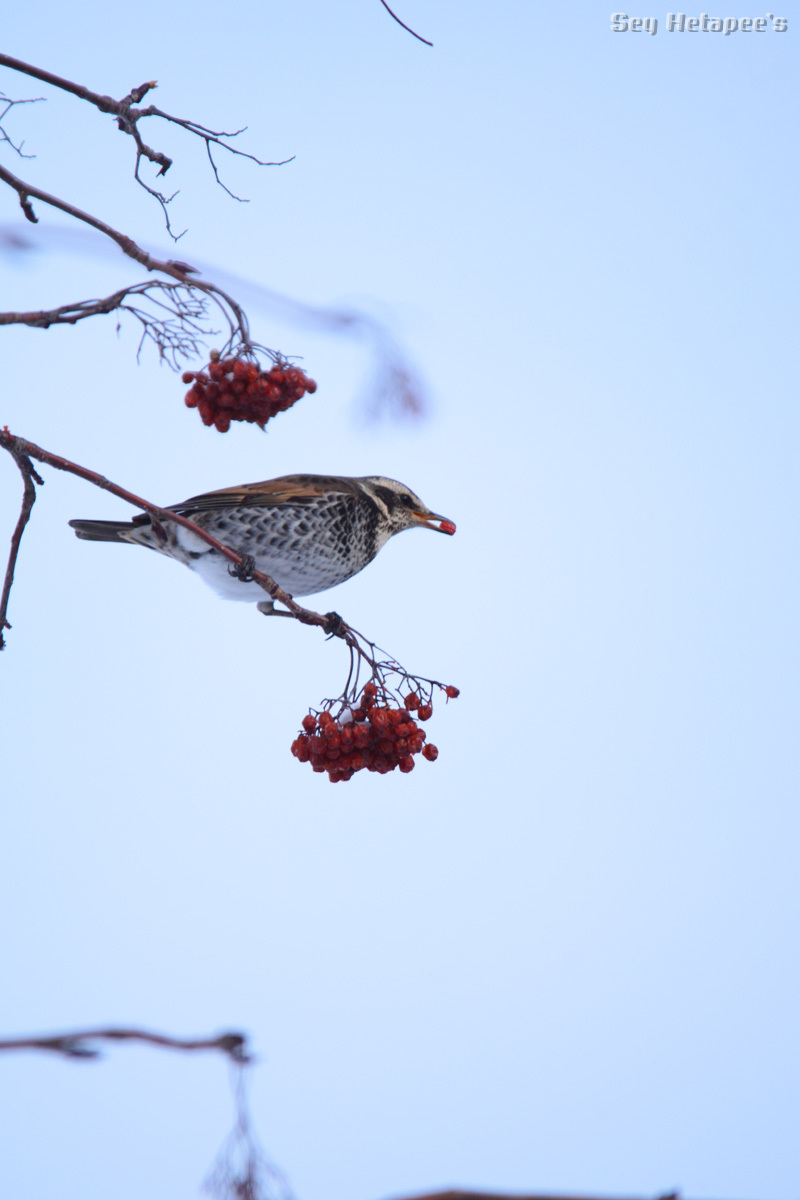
(104, 103)
(363, 652)
(459, 1194)
(9, 104)
(174, 327)
(241, 1160)
(21, 449)
(407, 28)
(241, 1169)
(77, 1044)
(29, 475)
(126, 244)
(233, 312)
(128, 117)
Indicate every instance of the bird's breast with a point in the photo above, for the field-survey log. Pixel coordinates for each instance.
(304, 548)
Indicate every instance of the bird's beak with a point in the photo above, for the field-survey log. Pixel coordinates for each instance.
(434, 521)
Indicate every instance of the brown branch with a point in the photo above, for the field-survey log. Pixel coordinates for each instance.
(76, 1044)
(128, 117)
(9, 104)
(29, 475)
(233, 312)
(362, 650)
(174, 327)
(241, 1169)
(20, 448)
(459, 1194)
(407, 28)
(126, 244)
(104, 103)
(65, 314)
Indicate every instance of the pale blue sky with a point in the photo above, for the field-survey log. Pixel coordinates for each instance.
(564, 957)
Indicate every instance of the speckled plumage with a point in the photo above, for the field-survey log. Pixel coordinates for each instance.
(308, 532)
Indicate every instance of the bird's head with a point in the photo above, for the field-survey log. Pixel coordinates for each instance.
(401, 508)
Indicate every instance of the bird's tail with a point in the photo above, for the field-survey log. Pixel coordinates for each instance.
(102, 531)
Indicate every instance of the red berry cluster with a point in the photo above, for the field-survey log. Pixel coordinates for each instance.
(378, 738)
(231, 389)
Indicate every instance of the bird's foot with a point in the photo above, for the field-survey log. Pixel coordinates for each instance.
(335, 624)
(244, 570)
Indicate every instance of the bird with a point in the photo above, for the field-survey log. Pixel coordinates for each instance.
(307, 532)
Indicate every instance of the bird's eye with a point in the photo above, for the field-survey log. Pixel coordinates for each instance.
(407, 500)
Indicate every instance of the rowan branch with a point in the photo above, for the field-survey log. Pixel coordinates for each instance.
(234, 314)
(29, 476)
(241, 1169)
(241, 1163)
(22, 451)
(173, 324)
(459, 1194)
(407, 28)
(21, 448)
(78, 1043)
(363, 653)
(128, 117)
(4, 137)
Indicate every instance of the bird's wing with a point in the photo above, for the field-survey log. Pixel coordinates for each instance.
(288, 489)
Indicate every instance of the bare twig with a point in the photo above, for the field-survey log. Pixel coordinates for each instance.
(29, 476)
(460, 1194)
(104, 103)
(175, 331)
(233, 312)
(407, 28)
(78, 1043)
(395, 388)
(242, 1170)
(128, 117)
(26, 191)
(9, 104)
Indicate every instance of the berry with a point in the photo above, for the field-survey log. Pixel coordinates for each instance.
(234, 389)
(373, 736)
(451, 691)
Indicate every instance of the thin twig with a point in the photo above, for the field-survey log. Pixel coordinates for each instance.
(234, 313)
(242, 1170)
(128, 117)
(26, 191)
(176, 331)
(77, 1044)
(407, 28)
(9, 104)
(460, 1194)
(104, 103)
(29, 477)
